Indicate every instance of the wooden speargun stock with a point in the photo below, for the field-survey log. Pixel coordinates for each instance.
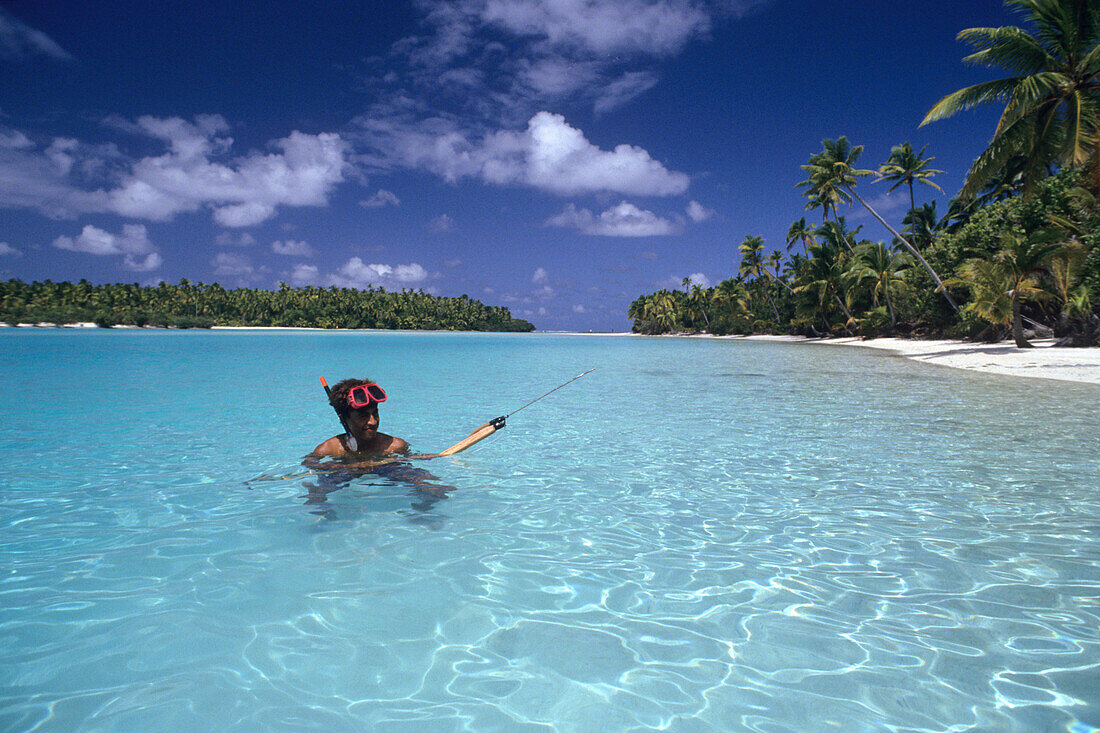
(497, 423)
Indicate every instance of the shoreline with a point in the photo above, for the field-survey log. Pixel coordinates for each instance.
(1045, 361)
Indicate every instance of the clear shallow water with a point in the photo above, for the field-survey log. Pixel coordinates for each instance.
(699, 535)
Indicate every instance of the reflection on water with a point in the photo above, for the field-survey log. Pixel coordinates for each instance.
(851, 541)
(424, 488)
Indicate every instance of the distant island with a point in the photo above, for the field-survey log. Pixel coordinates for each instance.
(1017, 253)
(199, 305)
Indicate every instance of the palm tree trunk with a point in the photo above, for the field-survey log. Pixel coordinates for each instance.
(1018, 324)
(939, 283)
(890, 307)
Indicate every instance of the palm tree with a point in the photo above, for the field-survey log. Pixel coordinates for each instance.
(800, 232)
(823, 277)
(1000, 285)
(905, 166)
(1052, 100)
(832, 170)
(885, 270)
(922, 225)
(752, 265)
(831, 175)
(838, 234)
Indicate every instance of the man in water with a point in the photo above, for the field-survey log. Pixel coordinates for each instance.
(356, 402)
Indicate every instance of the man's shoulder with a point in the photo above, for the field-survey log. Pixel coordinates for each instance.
(396, 445)
(330, 448)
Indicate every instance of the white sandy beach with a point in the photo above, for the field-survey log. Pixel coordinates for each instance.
(1045, 361)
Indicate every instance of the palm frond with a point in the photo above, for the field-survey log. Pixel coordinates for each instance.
(985, 93)
(1010, 48)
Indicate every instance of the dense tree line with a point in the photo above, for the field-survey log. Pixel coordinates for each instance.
(190, 305)
(1017, 252)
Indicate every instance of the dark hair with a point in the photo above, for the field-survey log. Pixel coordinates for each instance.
(338, 395)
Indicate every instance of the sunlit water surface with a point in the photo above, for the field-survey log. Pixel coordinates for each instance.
(699, 535)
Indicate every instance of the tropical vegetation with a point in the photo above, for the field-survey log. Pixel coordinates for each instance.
(1017, 253)
(198, 305)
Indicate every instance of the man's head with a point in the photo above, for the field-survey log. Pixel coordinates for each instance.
(356, 401)
(353, 395)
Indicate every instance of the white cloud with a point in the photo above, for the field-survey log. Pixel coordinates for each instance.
(14, 139)
(243, 193)
(674, 282)
(243, 215)
(227, 264)
(138, 253)
(194, 173)
(8, 251)
(302, 275)
(550, 155)
(228, 239)
(579, 309)
(540, 276)
(602, 26)
(623, 220)
(18, 41)
(292, 248)
(381, 198)
(624, 89)
(698, 213)
(358, 274)
(442, 224)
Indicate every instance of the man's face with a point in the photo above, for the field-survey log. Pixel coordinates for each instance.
(363, 421)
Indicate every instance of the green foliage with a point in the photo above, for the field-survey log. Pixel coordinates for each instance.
(195, 305)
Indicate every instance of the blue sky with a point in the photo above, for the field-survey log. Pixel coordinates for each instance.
(559, 157)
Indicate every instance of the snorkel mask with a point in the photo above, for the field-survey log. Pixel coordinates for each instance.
(365, 395)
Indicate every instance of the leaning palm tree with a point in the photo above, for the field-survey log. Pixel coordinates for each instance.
(905, 166)
(833, 170)
(1052, 98)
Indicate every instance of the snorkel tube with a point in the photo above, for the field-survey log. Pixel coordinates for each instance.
(347, 431)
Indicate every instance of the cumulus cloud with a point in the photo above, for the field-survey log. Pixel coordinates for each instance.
(355, 273)
(698, 213)
(674, 282)
(550, 155)
(7, 250)
(381, 198)
(292, 248)
(138, 253)
(19, 41)
(227, 264)
(242, 193)
(540, 276)
(623, 220)
(196, 172)
(579, 309)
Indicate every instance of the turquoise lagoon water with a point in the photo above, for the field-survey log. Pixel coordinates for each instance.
(699, 535)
